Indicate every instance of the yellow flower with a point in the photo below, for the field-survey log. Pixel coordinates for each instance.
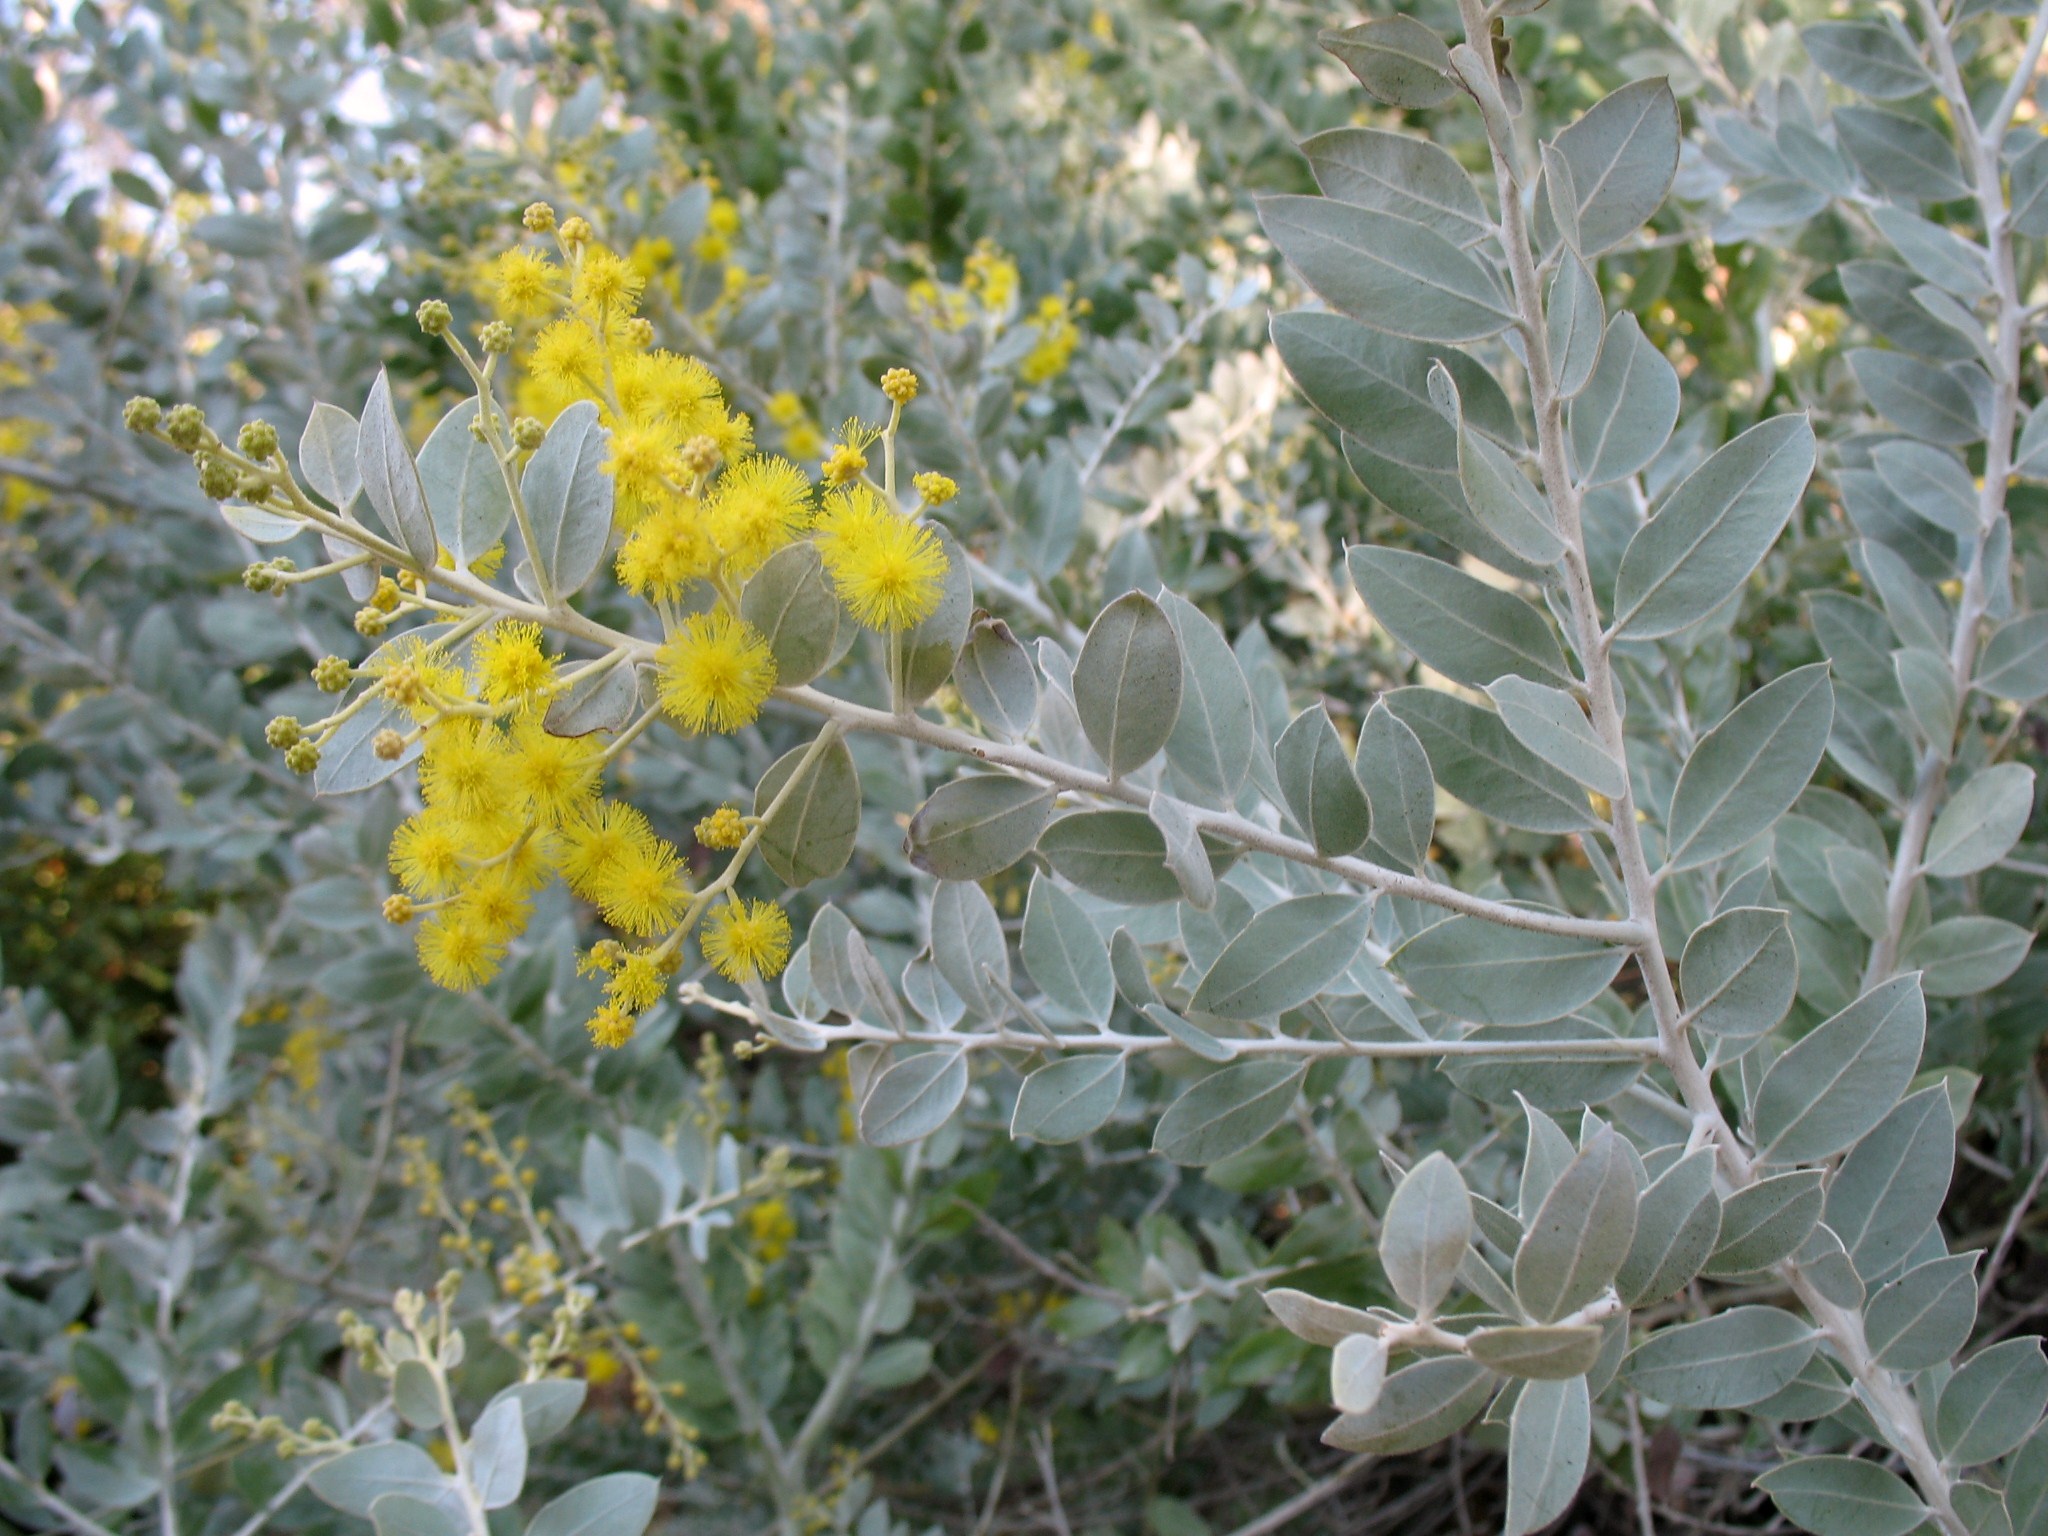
(456, 953)
(555, 774)
(637, 984)
(843, 464)
(772, 1227)
(785, 407)
(642, 459)
(643, 891)
(1057, 338)
(991, 277)
(522, 283)
(597, 842)
(509, 662)
(744, 939)
(493, 906)
(608, 283)
(669, 549)
(715, 672)
(427, 853)
(759, 505)
(610, 1028)
(567, 354)
(463, 769)
(889, 571)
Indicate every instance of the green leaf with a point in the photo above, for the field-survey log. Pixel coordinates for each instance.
(1187, 853)
(1550, 723)
(1068, 1099)
(1419, 1405)
(1505, 501)
(1327, 1323)
(895, 1365)
(1127, 682)
(1547, 1353)
(328, 461)
(1394, 771)
(931, 646)
(1190, 1037)
(1767, 1221)
(1625, 415)
(1837, 1082)
(1469, 631)
(1398, 59)
(1932, 482)
(1889, 1189)
(977, 826)
(1473, 969)
(1283, 957)
(1319, 786)
(791, 602)
(400, 1514)
(997, 680)
(497, 1450)
(1739, 973)
(1713, 530)
(1390, 273)
(569, 498)
(1920, 398)
(1065, 954)
(1843, 1496)
(1118, 855)
(1475, 756)
(811, 836)
(1425, 1232)
(390, 479)
(1580, 1235)
(1992, 1403)
(1981, 821)
(1678, 1221)
(1573, 324)
(2014, 664)
(913, 1098)
(1922, 1318)
(1731, 1360)
(1211, 744)
(1867, 57)
(968, 945)
(603, 699)
(546, 1407)
(356, 1479)
(1358, 1372)
(1549, 1436)
(1233, 1108)
(1903, 158)
(465, 489)
(1623, 154)
(1400, 174)
(2026, 1486)
(1745, 773)
(617, 1504)
(415, 1395)
(1962, 956)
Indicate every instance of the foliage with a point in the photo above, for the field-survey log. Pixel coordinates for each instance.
(800, 529)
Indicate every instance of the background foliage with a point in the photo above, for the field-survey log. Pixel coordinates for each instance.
(237, 1109)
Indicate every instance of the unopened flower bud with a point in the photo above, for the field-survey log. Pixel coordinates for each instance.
(639, 332)
(331, 674)
(434, 317)
(539, 218)
(723, 828)
(257, 440)
(142, 414)
(527, 433)
(699, 455)
(217, 478)
(370, 623)
(495, 337)
(259, 577)
(388, 745)
(935, 488)
(387, 596)
(900, 385)
(576, 231)
(398, 909)
(284, 731)
(185, 426)
(302, 757)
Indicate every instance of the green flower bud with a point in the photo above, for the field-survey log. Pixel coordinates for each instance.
(388, 745)
(142, 414)
(302, 757)
(258, 577)
(539, 218)
(434, 317)
(331, 674)
(217, 477)
(495, 337)
(284, 732)
(257, 440)
(527, 433)
(185, 426)
(370, 623)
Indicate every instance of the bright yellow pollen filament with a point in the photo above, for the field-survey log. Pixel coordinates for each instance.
(715, 672)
